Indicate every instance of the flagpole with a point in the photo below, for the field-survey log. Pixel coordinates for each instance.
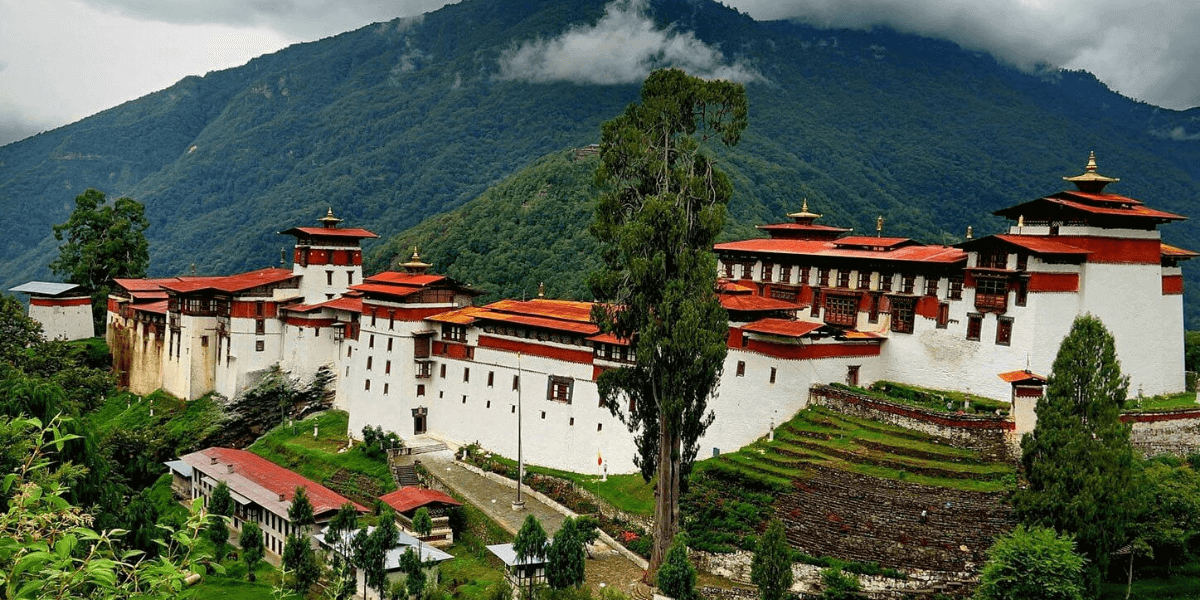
(519, 503)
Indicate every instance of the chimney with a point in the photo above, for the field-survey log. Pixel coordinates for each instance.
(212, 460)
(230, 466)
(281, 497)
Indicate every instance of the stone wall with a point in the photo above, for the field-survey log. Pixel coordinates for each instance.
(1166, 432)
(992, 436)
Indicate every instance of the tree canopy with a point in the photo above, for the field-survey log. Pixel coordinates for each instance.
(677, 576)
(661, 209)
(102, 242)
(1032, 563)
(1078, 460)
(771, 568)
(566, 558)
(300, 513)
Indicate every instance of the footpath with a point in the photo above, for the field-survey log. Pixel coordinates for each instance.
(606, 567)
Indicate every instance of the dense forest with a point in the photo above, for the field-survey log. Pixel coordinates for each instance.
(400, 121)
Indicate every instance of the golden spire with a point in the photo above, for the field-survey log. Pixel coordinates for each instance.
(879, 226)
(970, 232)
(414, 264)
(804, 216)
(329, 221)
(1091, 181)
(541, 289)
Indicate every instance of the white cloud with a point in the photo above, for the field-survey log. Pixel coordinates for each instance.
(623, 47)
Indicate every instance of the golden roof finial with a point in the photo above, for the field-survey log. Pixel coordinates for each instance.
(1091, 181)
(879, 226)
(329, 221)
(541, 289)
(1020, 221)
(804, 216)
(970, 232)
(415, 265)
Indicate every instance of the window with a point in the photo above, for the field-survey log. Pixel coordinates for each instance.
(390, 344)
(766, 271)
(420, 389)
(728, 270)
(328, 277)
(371, 340)
(864, 280)
(464, 401)
(369, 360)
(843, 278)
(741, 368)
(516, 382)
(885, 281)
(991, 293)
(466, 374)
(489, 404)
(387, 368)
(424, 369)
(785, 274)
(259, 309)
(931, 285)
(909, 284)
(373, 317)
(747, 268)
(1022, 294)
(873, 313)
(816, 303)
(543, 415)
(599, 426)
(993, 259)
(823, 277)
(785, 294)
(260, 327)
(349, 277)
(491, 378)
(956, 285)
(368, 385)
(259, 345)
(559, 389)
(841, 310)
(1022, 262)
(204, 341)
(772, 374)
(852, 375)
(943, 315)
(745, 340)
(442, 373)
(391, 320)
(385, 389)
(1004, 331)
(456, 333)
(572, 423)
(903, 315)
(974, 326)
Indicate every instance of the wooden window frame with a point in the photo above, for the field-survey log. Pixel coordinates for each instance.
(991, 294)
(741, 368)
(955, 288)
(767, 271)
(931, 285)
(864, 280)
(841, 309)
(974, 326)
(1004, 327)
(904, 314)
(559, 389)
(844, 278)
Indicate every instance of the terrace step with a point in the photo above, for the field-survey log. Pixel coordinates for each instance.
(405, 475)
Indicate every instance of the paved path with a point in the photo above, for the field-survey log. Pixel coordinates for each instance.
(605, 566)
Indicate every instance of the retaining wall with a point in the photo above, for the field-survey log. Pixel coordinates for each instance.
(1165, 432)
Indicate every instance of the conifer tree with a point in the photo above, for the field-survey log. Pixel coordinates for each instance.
(530, 543)
(1078, 461)
(300, 513)
(220, 508)
(662, 208)
(677, 576)
(566, 558)
(253, 550)
(771, 569)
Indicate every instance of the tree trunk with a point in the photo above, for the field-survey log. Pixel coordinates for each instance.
(666, 507)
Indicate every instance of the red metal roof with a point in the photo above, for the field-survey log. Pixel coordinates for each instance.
(1022, 377)
(401, 278)
(1177, 252)
(782, 327)
(1101, 197)
(608, 338)
(412, 498)
(353, 305)
(397, 291)
(324, 232)
(462, 316)
(541, 322)
(269, 476)
(231, 283)
(724, 286)
(873, 242)
(826, 249)
(159, 307)
(554, 309)
(746, 302)
(1087, 203)
(1036, 244)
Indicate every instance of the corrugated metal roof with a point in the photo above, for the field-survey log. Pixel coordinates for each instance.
(46, 288)
(412, 497)
(782, 327)
(743, 302)
(404, 541)
(827, 249)
(325, 232)
(1022, 377)
(508, 555)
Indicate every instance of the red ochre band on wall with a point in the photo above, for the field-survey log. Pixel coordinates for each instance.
(1172, 285)
(812, 351)
(575, 356)
(35, 301)
(1053, 282)
(1116, 250)
(303, 322)
(400, 314)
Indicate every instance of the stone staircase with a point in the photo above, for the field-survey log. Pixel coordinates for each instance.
(405, 474)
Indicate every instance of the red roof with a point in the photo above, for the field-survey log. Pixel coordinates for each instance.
(746, 302)
(231, 283)
(866, 241)
(609, 338)
(725, 286)
(410, 279)
(821, 249)
(412, 498)
(462, 316)
(1022, 377)
(1044, 245)
(554, 309)
(1095, 204)
(352, 304)
(268, 476)
(782, 327)
(541, 322)
(1176, 252)
(326, 232)
(159, 307)
(396, 291)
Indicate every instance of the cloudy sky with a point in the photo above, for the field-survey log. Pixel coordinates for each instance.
(62, 60)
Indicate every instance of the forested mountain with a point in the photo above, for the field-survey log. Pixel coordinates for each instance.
(396, 122)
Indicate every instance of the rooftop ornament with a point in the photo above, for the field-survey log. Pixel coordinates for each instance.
(330, 221)
(1091, 181)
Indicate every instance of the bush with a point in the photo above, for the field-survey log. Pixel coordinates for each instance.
(836, 585)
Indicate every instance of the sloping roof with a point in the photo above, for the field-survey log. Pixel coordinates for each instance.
(609, 338)
(409, 279)
(262, 481)
(352, 304)
(412, 497)
(180, 467)
(46, 288)
(1022, 377)
(1040, 245)
(462, 316)
(782, 327)
(231, 283)
(1094, 204)
(326, 232)
(749, 303)
(158, 308)
(916, 253)
(541, 307)
(866, 241)
(508, 555)
(1177, 252)
(403, 542)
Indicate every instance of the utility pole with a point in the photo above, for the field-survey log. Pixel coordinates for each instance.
(519, 503)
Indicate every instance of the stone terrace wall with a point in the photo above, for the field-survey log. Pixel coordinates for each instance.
(992, 436)
(1166, 432)
(869, 519)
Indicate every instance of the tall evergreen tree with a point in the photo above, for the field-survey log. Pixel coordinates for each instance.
(566, 557)
(530, 544)
(300, 513)
(677, 576)
(101, 243)
(662, 208)
(1032, 563)
(220, 508)
(1078, 460)
(771, 569)
(253, 549)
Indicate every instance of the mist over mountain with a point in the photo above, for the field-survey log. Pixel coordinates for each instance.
(400, 121)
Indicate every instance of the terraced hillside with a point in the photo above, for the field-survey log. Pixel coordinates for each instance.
(860, 490)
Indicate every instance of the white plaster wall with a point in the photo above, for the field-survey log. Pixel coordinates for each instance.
(244, 364)
(313, 285)
(305, 349)
(64, 322)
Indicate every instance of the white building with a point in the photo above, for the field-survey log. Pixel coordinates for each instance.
(809, 304)
(64, 310)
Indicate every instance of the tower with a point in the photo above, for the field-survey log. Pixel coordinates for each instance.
(329, 257)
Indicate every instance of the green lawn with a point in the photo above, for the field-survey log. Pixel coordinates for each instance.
(352, 474)
(469, 575)
(629, 493)
(1164, 402)
(930, 398)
